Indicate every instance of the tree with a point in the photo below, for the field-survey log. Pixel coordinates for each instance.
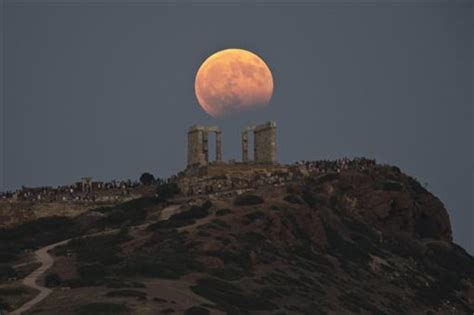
(147, 179)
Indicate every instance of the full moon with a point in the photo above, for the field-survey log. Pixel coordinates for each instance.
(233, 80)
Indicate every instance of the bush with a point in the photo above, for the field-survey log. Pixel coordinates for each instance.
(102, 309)
(194, 213)
(52, 280)
(391, 185)
(222, 212)
(127, 293)
(117, 284)
(227, 273)
(10, 291)
(173, 260)
(147, 179)
(167, 190)
(117, 217)
(6, 272)
(93, 273)
(103, 249)
(248, 200)
(230, 297)
(293, 199)
(196, 310)
(39, 232)
(206, 205)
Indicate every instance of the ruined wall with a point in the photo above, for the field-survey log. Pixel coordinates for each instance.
(198, 145)
(265, 143)
(196, 152)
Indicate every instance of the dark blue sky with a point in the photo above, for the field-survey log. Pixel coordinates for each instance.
(106, 90)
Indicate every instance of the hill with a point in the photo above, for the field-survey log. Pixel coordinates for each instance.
(370, 241)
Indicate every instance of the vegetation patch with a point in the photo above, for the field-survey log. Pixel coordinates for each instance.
(196, 310)
(102, 309)
(52, 280)
(356, 302)
(118, 283)
(194, 213)
(9, 291)
(294, 199)
(347, 251)
(255, 215)
(103, 249)
(127, 293)
(227, 273)
(391, 185)
(6, 272)
(231, 297)
(215, 224)
(222, 212)
(166, 191)
(38, 233)
(164, 256)
(240, 259)
(248, 200)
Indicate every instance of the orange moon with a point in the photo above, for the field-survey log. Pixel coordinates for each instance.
(233, 80)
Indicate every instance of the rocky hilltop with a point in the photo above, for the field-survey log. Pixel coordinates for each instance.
(370, 241)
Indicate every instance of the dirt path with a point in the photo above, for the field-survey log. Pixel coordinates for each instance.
(46, 260)
(168, 212)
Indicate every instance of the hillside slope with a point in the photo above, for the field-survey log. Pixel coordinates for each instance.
(372, 242)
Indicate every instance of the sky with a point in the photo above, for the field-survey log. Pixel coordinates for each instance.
(107, 89)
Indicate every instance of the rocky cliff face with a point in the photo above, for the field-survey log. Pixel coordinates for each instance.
(387, 199)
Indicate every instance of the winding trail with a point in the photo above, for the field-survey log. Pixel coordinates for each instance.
(46, 260)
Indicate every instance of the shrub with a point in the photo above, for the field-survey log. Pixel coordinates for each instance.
(6, 272)
(102, 309)
(4, 305)
(116, 217)
(227, 273)
(222, 212)
(39, 232)
(194, 213)
(117, 284)
(293, 199)
(206, 205)
(248, 200)
(167, 190)
(127, 293)
(174, 259)
(10, 291)
(391, 185)
(147, 179)
(196, 310)
(6, 257)
(230, 296)
(92, 273)
(309, 198)
(52, 280)
(240, 259)
(255, 215)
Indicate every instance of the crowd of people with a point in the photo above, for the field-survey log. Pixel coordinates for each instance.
(80, 191)
(92, 191)
(336, 166)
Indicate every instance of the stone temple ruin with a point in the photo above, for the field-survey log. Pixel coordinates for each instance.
(264, 145)
(198, 145)
(219, 177)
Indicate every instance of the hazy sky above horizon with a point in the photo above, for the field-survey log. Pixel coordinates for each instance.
(107, 90)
